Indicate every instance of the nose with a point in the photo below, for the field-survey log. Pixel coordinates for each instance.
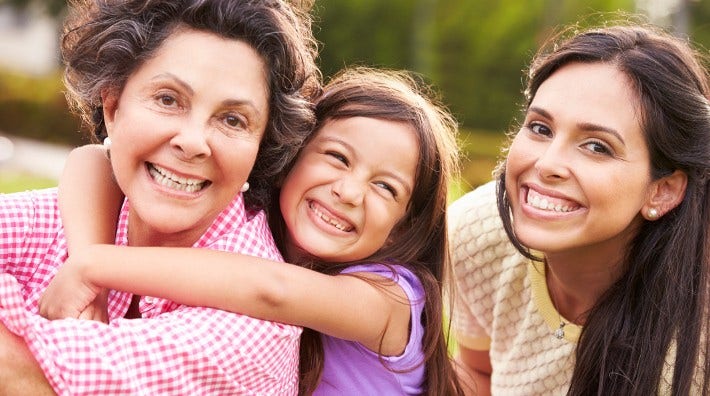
(190, 141)
(349, 190)
(553, 162)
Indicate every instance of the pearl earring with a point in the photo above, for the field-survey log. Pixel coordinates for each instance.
(107, 143)
(653, 213)
(245, 187)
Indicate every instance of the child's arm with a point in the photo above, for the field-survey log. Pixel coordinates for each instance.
(341, 306)
(89, 198)
(89, 202)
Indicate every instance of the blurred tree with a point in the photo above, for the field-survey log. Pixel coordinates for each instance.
(474, 51)
(699, 12)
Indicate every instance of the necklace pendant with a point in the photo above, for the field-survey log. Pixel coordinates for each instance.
(560, 332)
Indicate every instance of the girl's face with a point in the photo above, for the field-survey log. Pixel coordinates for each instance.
(185, 132)
(349, 187)
(578, 172)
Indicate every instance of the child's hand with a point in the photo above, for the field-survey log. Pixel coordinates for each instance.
(70, 296)
(98, 309)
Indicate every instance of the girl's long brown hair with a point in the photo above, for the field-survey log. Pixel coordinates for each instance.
(419, 241)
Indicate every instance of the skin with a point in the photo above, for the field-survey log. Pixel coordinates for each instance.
(196, 111)
(360, 167)
(579, 184)
(348, 191)
(199, 101)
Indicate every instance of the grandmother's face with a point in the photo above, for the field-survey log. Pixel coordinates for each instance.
(185, 132)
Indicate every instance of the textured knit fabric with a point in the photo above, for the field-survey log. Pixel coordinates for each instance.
(503, 306)
(172, 350)
(352, 369)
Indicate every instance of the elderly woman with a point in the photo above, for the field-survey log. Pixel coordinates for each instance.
(196, 97)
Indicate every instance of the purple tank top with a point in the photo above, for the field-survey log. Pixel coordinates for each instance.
(352, 369)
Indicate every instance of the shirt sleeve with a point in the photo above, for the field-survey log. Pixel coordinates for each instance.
(413, 289)
(167, 355)
(29, 224)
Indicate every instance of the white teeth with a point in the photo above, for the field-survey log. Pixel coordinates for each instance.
(329, 219)
(168, 179)
(536, 201)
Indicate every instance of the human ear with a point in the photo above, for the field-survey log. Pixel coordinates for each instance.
(664, 195)
(109, 102)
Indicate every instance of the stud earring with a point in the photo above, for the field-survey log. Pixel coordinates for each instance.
(653, 213)
(245, 187)
(107, 143)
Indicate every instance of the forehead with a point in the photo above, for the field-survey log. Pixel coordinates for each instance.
(229, 67)
(384, 143)
(591, 92)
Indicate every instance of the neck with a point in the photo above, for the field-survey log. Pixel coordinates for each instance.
(577, 281)
(140, 234)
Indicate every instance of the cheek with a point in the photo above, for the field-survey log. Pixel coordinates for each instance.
(521, 154)
(240, 158)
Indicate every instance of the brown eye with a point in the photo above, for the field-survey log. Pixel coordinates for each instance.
(234, 122)
(598, 147)
(167, 100)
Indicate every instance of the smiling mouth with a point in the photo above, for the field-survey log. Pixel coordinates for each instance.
(330, 220)
(170, 180)
(543, 202)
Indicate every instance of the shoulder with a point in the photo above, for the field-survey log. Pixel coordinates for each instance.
(241, 230)
(474, 216)
(395, 272)
(35, 208)
(476, 231)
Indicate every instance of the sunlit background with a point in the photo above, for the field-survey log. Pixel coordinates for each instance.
(473, 51)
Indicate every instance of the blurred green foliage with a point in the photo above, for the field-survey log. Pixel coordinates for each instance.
(35, 107)
(473, 51)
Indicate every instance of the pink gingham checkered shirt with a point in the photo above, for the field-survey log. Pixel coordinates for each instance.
(172, 350)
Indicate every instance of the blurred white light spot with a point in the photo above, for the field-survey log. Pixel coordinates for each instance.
(6, 149)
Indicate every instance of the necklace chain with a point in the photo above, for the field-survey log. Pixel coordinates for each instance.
(559, 333)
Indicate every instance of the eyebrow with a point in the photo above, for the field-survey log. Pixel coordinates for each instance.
(585, 126)
(393, 175)
(227, 103)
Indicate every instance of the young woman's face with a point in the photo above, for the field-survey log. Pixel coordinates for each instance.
(349, 187)
(185, 132)
(578, 172)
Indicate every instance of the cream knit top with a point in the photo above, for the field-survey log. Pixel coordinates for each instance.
(502, 305)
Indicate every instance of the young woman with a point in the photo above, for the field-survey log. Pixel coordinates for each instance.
(362, 210)
(604, 196)
(179, 86)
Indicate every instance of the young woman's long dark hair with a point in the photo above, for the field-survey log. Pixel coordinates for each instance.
(419, 241)
(660, 303)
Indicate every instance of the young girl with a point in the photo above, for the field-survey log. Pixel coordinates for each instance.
(604, 195)
(362, 209)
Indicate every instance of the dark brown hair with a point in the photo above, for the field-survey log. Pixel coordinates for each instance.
(419, 240)
(105, 41)
(662, 298)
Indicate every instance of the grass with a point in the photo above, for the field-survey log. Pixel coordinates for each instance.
(12, 181)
